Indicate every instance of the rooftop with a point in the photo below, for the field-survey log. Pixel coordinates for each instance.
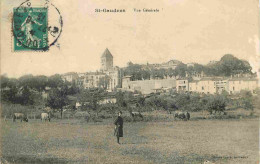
(107, 54)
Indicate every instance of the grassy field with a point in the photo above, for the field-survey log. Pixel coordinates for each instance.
(75, 141)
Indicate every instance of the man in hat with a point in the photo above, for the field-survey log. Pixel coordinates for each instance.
(119, 127)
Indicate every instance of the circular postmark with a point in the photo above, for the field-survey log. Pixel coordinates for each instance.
(36, 25)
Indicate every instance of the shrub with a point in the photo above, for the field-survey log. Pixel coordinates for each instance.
(216, 103)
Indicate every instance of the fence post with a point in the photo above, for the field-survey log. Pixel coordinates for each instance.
(5, 118)
(34, 116)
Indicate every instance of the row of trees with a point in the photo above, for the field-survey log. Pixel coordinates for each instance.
(227, 66)
(28, 89)
(38, 83)
(191, 102)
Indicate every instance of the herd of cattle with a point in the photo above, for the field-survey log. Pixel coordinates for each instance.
(22, 117)
(177, 115)
(46, 116)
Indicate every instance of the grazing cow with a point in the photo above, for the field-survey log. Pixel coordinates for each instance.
(208, 162)
(20, 116)
(187, 115)
(45, 117)
(136, 114)
(182, 115)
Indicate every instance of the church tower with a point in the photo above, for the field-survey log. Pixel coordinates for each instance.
(106, 61)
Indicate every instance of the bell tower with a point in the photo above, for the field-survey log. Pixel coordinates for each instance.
(106, 61)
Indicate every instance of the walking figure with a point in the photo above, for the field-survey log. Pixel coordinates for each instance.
(27, 27)
(119, 127)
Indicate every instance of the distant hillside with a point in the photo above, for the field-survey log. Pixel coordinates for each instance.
(227, 66)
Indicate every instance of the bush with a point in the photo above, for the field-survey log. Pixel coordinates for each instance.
(215, 103)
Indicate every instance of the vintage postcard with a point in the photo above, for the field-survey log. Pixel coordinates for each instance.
(170, 81)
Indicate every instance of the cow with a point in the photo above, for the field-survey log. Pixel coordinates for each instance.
(136, 114)
(187, 115)
(182, 115)
(45, 117)
(20, 116)
(208, 162)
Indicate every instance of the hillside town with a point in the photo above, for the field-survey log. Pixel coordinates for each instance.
(112, 78)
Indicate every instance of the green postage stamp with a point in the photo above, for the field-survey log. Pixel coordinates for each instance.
(30, 26)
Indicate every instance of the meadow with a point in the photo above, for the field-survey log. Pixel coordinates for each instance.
(76, 141)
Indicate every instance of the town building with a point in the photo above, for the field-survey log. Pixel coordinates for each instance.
(170, 64)
(147, 86)
(70, 76)
(205, 85)
(191, 64)
(212, 62)
(235, 85)
(182, 85)
(93, 80)
(208, 85)
(108, 77)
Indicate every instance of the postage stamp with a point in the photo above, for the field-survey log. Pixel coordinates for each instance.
(36, 26)
(30, 28)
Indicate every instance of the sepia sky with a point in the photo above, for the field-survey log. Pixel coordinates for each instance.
(186, 30)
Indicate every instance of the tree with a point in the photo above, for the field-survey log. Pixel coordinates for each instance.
(199, 68)
(246, 100)
(120, 99)
(27, 97)
(9, 89)
(104, 82)
(90, 98)
(136, 72)
(41, 82)
(182, 101)
(57, 99)
(55, 81)
(73, 88)
(229, 65)
(190, 70)
(157, 101)
(27, 81)
(172, 72)
(216, 103)
(33, 82)
(181, 70)
(158, 73)
(140, 101)
(9, 94)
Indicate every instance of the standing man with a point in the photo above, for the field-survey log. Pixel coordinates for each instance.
(119, 127)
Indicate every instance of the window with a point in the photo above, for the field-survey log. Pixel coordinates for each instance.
(202, 88)
(233, 88)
